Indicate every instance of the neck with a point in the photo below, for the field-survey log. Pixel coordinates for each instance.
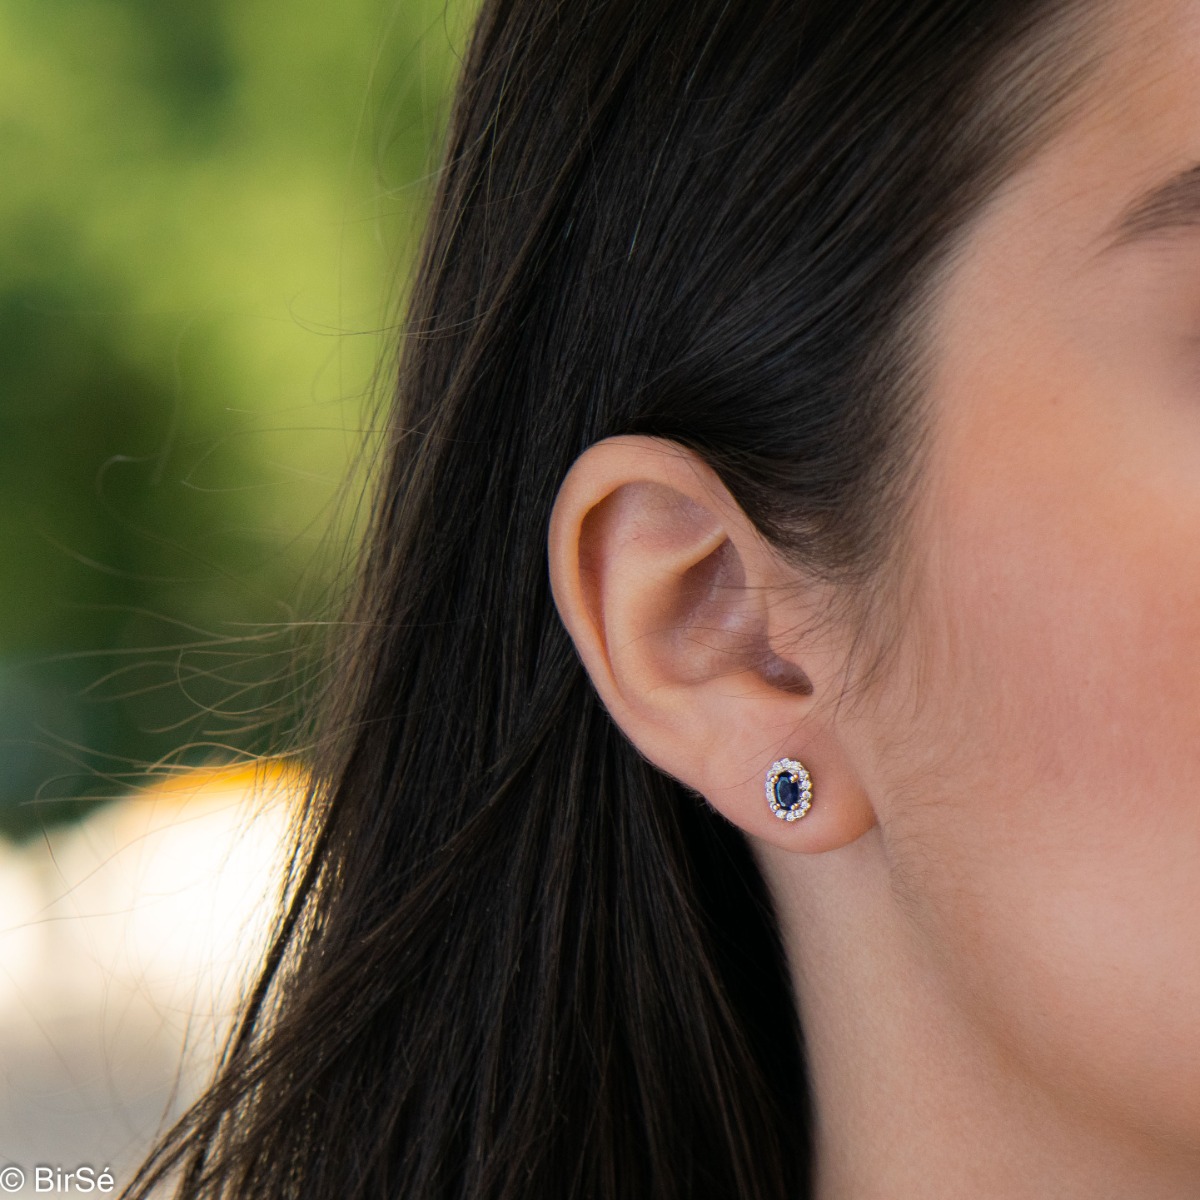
(913, 1097)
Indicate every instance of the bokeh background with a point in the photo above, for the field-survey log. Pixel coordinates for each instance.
(206, 213)
(207, 216)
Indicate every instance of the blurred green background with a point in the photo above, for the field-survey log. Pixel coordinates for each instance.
(206, 215)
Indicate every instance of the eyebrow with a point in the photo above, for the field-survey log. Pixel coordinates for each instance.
(1167, 208)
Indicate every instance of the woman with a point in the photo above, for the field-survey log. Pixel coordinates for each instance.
(765, 765)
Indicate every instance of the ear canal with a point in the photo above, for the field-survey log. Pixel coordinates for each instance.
(784, 675)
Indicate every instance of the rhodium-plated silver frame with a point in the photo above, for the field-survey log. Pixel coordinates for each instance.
(799, 774)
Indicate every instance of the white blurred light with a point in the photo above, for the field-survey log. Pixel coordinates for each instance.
(125, 943)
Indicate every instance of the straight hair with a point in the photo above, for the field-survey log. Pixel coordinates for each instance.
(516, 959)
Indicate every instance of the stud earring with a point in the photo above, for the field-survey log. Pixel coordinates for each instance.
(789, 789)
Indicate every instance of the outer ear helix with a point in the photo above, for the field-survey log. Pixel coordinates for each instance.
(788, 788)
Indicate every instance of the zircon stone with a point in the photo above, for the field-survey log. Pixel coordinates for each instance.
(787, 791)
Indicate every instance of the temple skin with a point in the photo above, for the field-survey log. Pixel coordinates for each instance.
(992, 912)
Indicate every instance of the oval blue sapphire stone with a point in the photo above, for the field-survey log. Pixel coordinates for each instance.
(787, 791)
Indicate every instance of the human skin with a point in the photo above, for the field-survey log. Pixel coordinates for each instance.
(992, 913)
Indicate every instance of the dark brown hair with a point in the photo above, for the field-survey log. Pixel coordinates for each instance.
(518, 961)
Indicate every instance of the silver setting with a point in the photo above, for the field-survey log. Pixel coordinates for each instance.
(799, 775)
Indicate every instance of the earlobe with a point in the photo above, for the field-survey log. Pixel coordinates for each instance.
(670, 596)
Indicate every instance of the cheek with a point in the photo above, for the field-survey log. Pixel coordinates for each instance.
(1046, 824)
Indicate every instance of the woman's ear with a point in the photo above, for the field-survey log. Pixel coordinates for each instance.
(679, 610)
